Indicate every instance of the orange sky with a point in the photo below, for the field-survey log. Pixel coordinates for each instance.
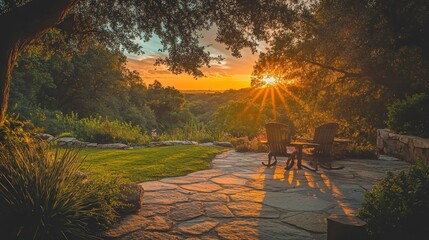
(232, 73)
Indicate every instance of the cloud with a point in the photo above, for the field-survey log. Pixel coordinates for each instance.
(230, 73)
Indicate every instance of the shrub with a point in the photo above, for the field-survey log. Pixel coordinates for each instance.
(103, 130)
(241, 118)
(410, 116)
(239, 141)
(15, 130)
(398, 207)
(255, 145)
(195, 131)
(240, 144)
(241, 148)
(243, 144)
(367, 151)
(43, 197)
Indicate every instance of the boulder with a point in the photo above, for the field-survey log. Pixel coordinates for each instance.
(70, 141)
(113, 146)
(131, 195)
(177, 142)
(165, 143)
(66, 141)
(223, 144)
(78, 143)
(154, 144)
(172, 143)
(209, 144)
(44, 136)
(81, 175)
(92, 145)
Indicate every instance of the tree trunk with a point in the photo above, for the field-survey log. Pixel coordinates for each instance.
(8, 55)
(19, 27)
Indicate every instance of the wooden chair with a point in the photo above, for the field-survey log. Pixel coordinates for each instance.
(278, 142)
(322, 154)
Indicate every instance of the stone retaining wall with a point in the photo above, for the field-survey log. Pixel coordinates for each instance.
(408, 148)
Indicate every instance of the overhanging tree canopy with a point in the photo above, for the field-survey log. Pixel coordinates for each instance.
(178, 23)
(385, 42)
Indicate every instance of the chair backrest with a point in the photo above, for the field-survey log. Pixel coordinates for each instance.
(324, 136)
(278, 136)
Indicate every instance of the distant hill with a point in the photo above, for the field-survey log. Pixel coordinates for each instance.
(204, 103)
(200, 91)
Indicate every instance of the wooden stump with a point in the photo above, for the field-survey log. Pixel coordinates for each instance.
(346, 227)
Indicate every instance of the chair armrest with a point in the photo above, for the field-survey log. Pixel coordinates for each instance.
(304, 139)
(342, 140)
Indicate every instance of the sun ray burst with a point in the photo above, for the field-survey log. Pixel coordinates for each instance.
(261, 108)
(273, 103)
(254, 99)
(283, 100)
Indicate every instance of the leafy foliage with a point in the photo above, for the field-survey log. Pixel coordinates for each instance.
(168, 105)
(92, 83)
(240, 118)
(410, 115)
(195, 131)
(14, 130)
(43, 197)
(243, 144)
(64, 84)
(348, 60)
(398, 207)
(383, 41)
(361, 151)
(204, 105)
(178, 24)
(102, 130)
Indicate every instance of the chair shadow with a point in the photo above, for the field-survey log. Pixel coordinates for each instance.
(277, 182)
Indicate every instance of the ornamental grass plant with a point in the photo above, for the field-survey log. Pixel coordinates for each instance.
(43, 196)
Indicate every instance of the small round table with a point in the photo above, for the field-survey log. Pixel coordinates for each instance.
(299, 145)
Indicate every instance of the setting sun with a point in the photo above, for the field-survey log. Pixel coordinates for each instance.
(269, 81)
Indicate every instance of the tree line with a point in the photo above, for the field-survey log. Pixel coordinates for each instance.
(93, 83)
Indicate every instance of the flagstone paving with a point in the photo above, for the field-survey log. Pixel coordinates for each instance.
(241, 199)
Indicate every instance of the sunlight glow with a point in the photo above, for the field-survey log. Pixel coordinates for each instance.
(269, 81)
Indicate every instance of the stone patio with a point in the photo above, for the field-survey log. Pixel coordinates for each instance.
(241, 199)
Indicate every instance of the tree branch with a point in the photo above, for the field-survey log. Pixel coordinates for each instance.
(31, 20)
(69, 24)
(346, 73)
(11, 4)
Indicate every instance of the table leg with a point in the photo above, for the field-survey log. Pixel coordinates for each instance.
(299, 156)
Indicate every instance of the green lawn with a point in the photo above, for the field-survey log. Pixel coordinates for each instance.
(146, 164)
